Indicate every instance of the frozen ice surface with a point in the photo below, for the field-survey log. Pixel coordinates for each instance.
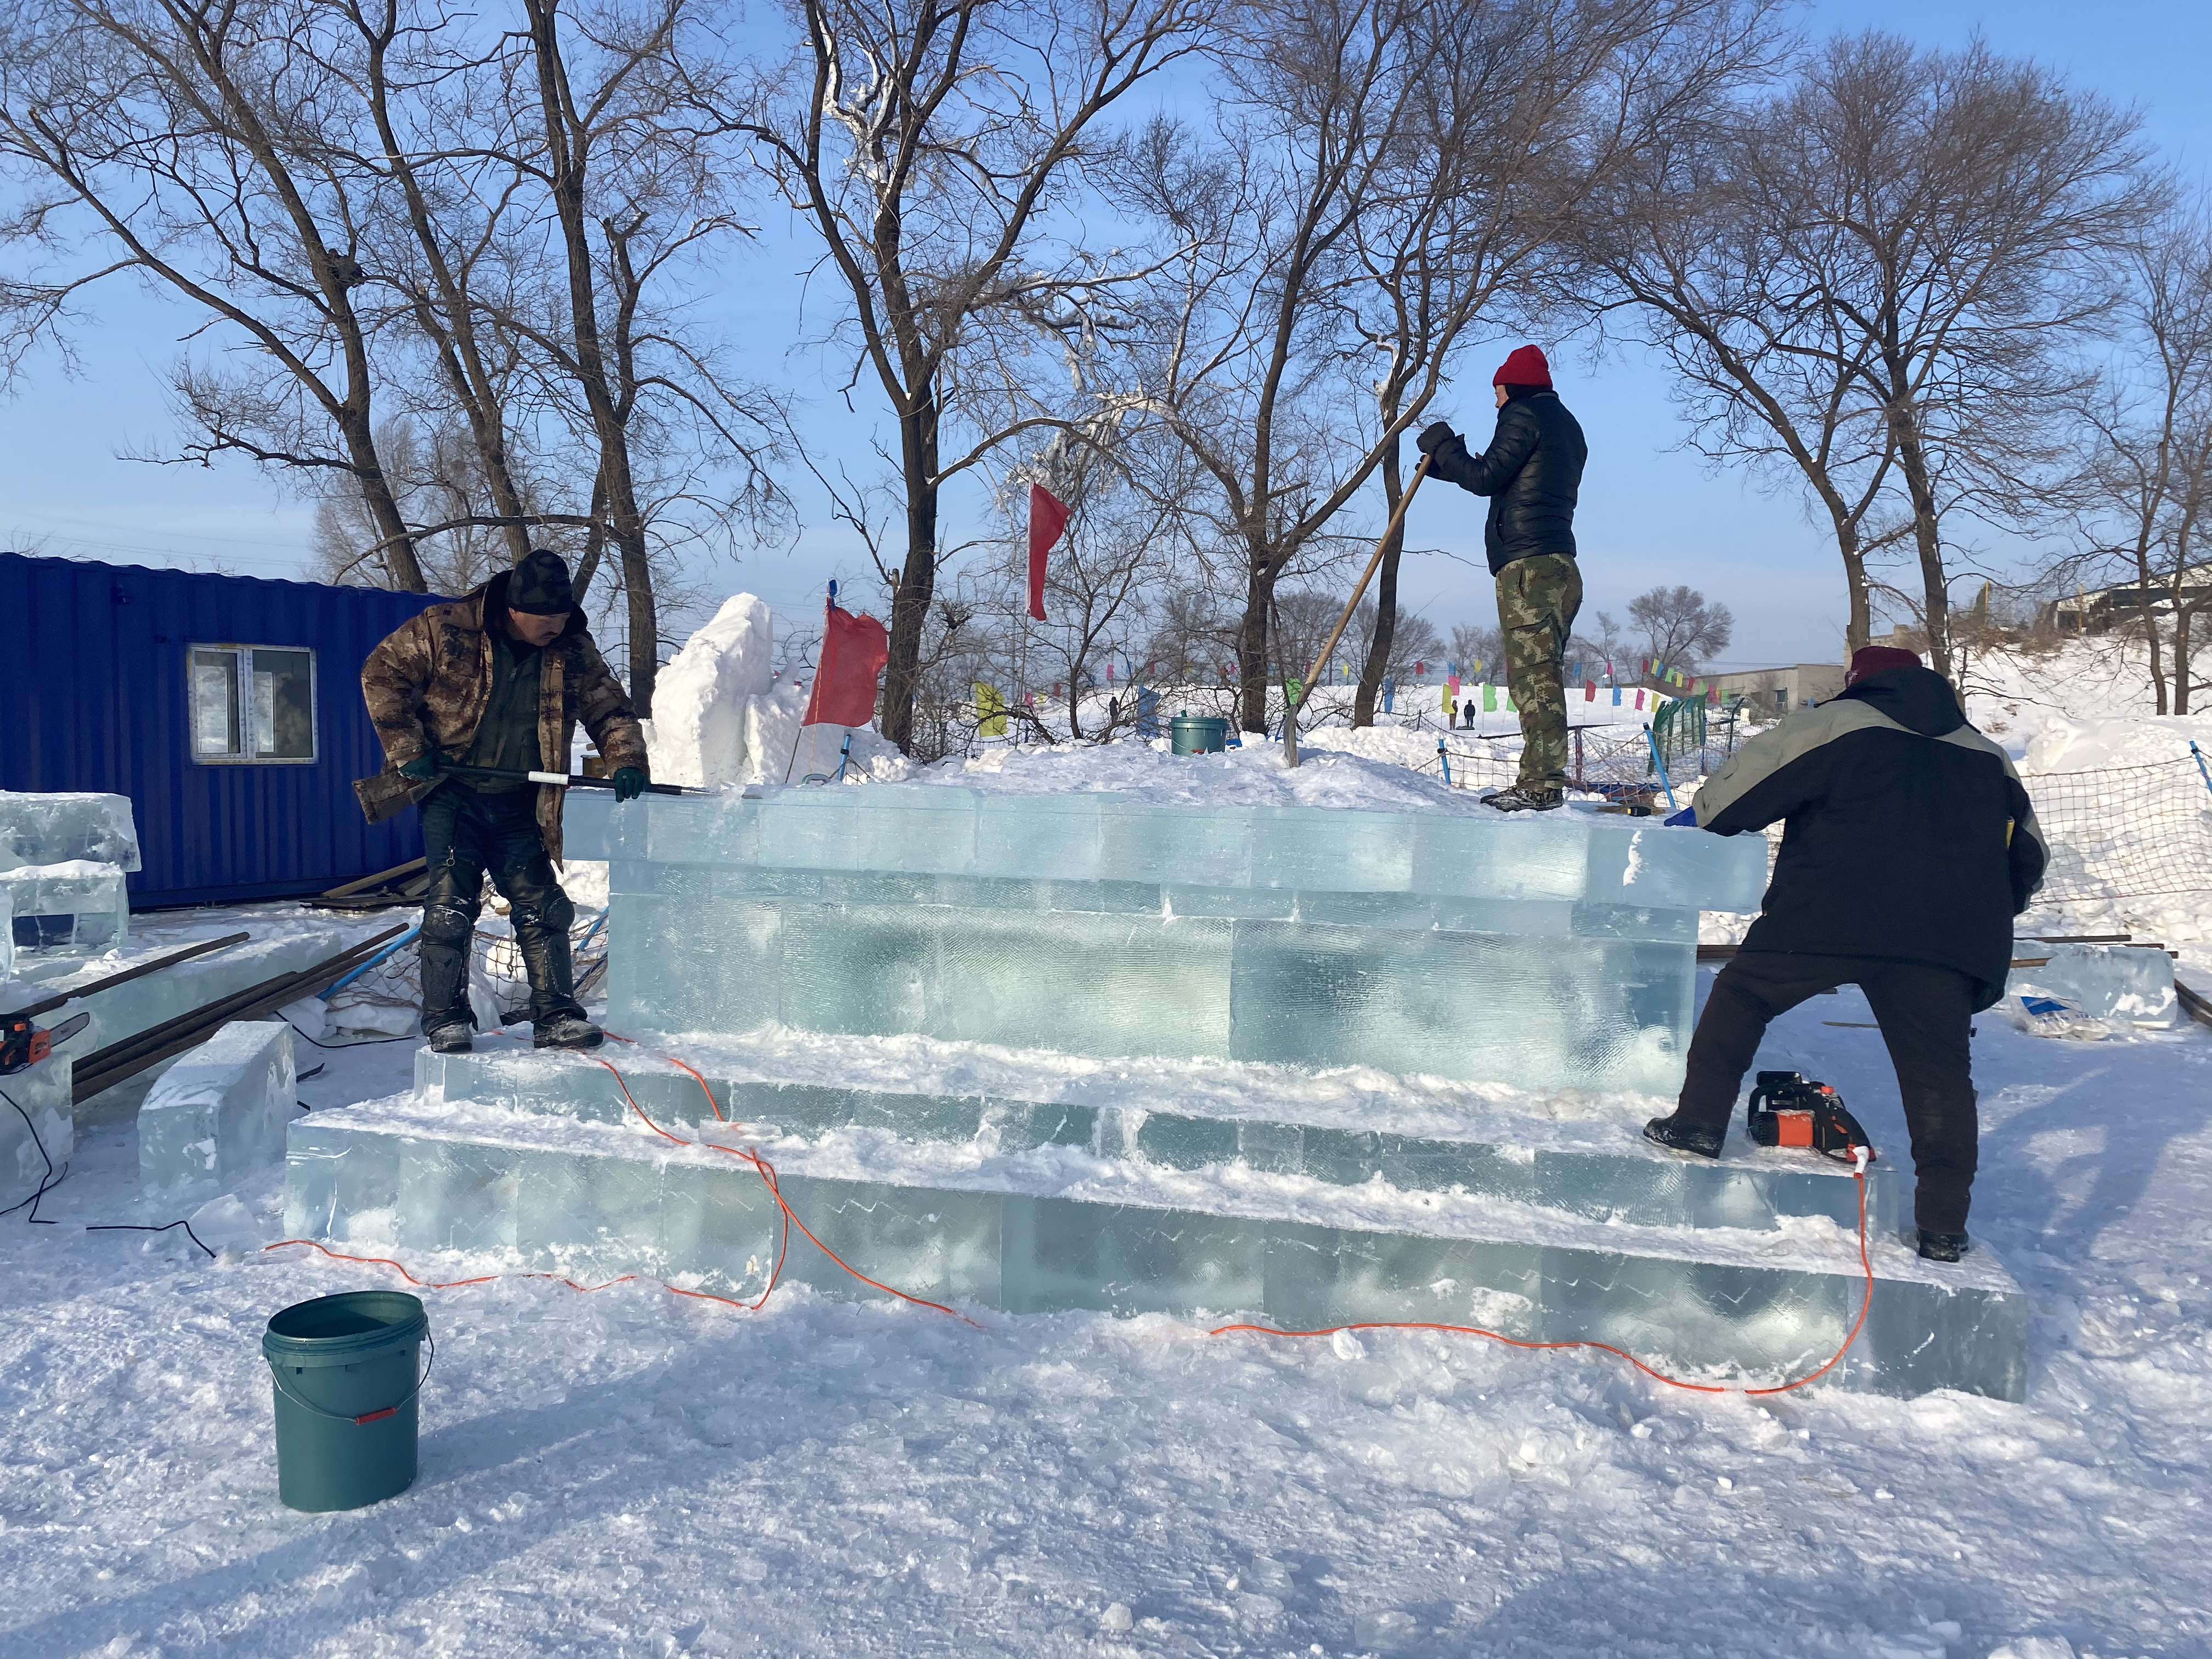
(40, 1118)
(41, 829)
(1334, 1132)
(78, 906)
(1459, 943)
(219, 1111)
(2106, 981)
(1056, 1229)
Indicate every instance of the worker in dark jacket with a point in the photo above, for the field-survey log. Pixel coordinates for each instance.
(499, 678)
(1908, 848)
(1532, 471)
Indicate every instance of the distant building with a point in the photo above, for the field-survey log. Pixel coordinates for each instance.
(1771, 691)
(2100, 610)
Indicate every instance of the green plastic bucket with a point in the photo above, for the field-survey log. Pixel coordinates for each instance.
(1199, 735)
(344, 1367)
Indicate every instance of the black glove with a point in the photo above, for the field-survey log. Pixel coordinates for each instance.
(629, 783)
(1434, 436)
(423, 768)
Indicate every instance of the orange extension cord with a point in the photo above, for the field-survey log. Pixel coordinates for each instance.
(790, 1218)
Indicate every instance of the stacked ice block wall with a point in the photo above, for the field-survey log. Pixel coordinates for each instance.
(63, 860)
(901, 995)
(1554, 952)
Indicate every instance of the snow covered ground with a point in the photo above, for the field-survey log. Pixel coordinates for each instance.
(629, 1473)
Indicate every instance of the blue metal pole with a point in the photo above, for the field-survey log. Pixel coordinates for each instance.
(1661, 767)
(1445, 760)
(2201, 771)
(405, 938)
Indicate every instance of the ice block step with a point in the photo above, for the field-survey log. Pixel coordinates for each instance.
(38, 1131)
(219, 1111)
(941, 830)
(1340, 1132)
(79, 906)
(1055, 1228)
(43, 829)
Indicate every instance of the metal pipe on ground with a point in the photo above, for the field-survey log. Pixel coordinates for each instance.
(128, 974)
(104, 1068)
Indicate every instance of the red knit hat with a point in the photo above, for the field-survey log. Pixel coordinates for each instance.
(1526, 366)
(1875, 660)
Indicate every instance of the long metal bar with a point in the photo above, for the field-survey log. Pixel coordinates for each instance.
(105, 1063)
(1374, 563)
(128, 974)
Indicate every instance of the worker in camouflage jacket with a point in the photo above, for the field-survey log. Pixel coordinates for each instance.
(1908, 847)
(499, 679)
(1533, 473)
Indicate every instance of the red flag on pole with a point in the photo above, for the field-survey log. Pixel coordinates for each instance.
(1048, 518)
(854, 651)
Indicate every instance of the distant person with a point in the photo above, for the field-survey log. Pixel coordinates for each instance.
(499, 679)
(1533, 472)
(1451, 714)
(1470, 714)
(1909, 846)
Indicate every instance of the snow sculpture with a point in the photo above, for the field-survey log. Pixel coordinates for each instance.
(1086, 1051)
(219, 1111)
(699, 702)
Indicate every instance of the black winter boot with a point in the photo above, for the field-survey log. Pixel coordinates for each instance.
(1680, 1137)
(566, 1031)
(1522, 798)
(452, 1037)
(1943, 1247)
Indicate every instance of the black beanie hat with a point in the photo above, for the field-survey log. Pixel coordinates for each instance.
(539, 585)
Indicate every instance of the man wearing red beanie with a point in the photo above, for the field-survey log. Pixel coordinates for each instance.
(1532, 471)
(1908, 849)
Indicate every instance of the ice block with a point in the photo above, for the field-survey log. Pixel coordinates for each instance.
(37, 1132)
(2106, 982)
(41, 829)
(219, 1111)
(82, 905)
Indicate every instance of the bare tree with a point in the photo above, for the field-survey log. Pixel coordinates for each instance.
(2144, 498)
(1681, 628)
(925, 142)
(1891, 257)
(187, 142)
(1380, 174)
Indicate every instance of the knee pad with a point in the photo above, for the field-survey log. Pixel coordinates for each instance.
(549, 908)
(447, 924)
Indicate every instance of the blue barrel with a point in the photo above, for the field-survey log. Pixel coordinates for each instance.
(347, 1382)
(1199, 735)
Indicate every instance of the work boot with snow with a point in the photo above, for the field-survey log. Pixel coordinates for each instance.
(1943, 1247)
(452, 1037)
(566, 1031)
(1677, 1136)
(1522, 798)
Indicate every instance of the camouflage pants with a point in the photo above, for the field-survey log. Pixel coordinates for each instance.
(1537, 599)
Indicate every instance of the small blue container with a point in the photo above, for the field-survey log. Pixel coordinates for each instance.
(1198, 735)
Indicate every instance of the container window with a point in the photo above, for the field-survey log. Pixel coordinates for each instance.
(252, 703)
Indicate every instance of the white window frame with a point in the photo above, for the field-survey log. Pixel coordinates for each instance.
(241, 658)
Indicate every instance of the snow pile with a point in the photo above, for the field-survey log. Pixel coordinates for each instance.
(721, 717)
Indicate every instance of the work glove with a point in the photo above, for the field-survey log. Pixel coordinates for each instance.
(1434, 436)
(423, 768)
(630, 783)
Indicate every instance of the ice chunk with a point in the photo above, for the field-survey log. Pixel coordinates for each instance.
(82, 905)
(2105, 981)
(699, 726)
(219, 1111)
(41, 829)
(37, 1132)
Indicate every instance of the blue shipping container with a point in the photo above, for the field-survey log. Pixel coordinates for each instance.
(227, 707)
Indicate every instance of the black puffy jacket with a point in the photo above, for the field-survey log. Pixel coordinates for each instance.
(1907, 834)
(1532, 472)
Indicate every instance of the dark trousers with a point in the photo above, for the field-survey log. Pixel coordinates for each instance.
(1925, 1013)
(465, 836)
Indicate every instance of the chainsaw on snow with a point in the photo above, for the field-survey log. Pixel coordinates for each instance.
(1787, 1110)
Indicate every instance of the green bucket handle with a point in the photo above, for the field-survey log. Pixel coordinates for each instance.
(276, 1376)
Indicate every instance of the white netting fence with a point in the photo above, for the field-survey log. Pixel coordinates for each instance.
(388, 997)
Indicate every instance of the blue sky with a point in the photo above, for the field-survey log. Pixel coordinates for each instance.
(1651, 513)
